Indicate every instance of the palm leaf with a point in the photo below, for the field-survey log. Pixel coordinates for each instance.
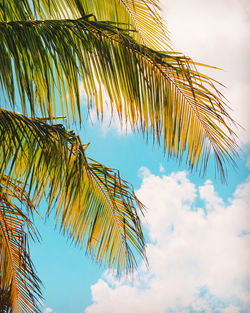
(140, 16)
(5, 304)
(19, 283)
(153, 91)
(91, 202)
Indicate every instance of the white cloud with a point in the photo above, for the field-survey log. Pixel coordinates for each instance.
(210, 196)
(199, 257)
(231, 309)
(47, 310)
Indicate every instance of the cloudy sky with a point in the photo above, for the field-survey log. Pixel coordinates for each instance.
(197, 230)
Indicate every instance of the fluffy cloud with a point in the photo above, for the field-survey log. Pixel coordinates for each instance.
(198, 256)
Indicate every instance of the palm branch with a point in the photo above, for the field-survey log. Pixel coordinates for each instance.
(5, 301)
(19, 284)
(140, 16)
(158, 92)
(90, 200)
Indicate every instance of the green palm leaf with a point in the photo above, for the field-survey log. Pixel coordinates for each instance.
(140, 16)
(152, 91)
(91, 201)
(19, 283)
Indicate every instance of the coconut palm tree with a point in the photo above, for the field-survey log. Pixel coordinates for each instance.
(118, 50)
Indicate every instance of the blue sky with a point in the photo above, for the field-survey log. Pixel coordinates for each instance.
(197, 229)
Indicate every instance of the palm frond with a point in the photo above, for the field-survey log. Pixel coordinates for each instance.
(15, 10)
(140, 16)
(18, 280)
(91, 201)
(5, 304)
(102, 211)
(153, 91)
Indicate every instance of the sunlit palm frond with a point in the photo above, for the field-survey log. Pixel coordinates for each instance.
(101, 209)
(140, 16)
(91, 201)
(19, 284)
(153, 91)
(144, 15)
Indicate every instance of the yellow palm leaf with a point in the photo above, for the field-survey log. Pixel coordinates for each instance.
(93, 204)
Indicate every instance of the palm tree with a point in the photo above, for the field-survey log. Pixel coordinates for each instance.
(119, 49)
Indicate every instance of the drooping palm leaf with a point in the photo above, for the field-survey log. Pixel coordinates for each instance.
(151, 90)
(19, 283)
(91, 201)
